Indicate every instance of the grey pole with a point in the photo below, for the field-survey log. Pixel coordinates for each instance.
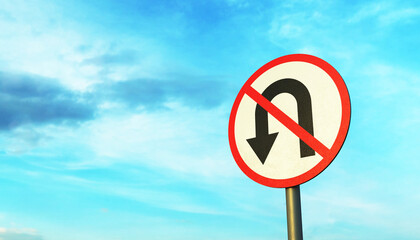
(294, 214)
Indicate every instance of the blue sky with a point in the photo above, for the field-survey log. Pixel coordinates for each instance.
(114, 119)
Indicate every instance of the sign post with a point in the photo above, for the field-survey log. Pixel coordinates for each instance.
(294, 214)
(287, 124)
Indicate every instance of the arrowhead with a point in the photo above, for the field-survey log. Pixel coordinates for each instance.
(262, 145)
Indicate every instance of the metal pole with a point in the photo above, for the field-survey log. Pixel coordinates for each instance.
(294, 214)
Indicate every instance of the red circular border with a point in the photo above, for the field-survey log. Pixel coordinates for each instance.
(341, 136)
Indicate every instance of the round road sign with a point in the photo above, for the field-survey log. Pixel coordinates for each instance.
(283, 140)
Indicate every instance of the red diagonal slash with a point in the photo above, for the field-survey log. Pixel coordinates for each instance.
(301, 133)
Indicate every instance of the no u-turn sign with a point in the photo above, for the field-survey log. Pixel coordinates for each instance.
(289, 120)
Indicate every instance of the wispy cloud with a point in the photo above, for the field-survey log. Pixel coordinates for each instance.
(125, 57)
(177, 139)
(387, 80)
(404, 15)
(124, 105)
(386, 13)
(32, 99)
(155, 93)
(317, 28)
(19, 234)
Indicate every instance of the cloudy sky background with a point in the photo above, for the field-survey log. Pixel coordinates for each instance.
(114, 119)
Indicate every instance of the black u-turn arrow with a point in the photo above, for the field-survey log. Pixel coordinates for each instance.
(263, 141)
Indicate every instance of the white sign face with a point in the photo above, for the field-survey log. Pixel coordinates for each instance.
(289, 120)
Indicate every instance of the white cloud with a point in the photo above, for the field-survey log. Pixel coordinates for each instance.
(288, 30)
(238, 3)
(368, 10)
(29, 231)
(22, 140)
(337, 205)
(346, 36)
(19, 234)
(385, 80)
(37, 38)
(399, 15)
(191, 144)
(183, 140)
(385, 13)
